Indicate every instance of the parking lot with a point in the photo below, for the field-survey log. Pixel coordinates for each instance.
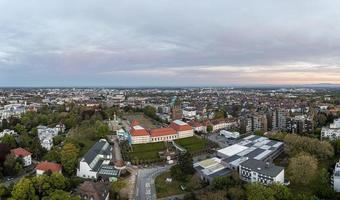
(221, 140)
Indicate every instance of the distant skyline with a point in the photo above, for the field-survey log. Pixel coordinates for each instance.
(168, 43)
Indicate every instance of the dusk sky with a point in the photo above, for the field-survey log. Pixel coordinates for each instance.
(168, 43)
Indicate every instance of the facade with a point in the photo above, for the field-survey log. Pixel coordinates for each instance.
(299, 124)
(90, 190)
(7, 132)
(24, 154)
(258, 171)
(178, 129)
(332, 132)
(12, 110)
(336, 177)
(45, 166)
(96, 163)
(47, 134)
(189, 113)
(257, 122)
(228, 134)
(279, 120)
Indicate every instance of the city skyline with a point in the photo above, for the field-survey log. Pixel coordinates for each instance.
(168, 43)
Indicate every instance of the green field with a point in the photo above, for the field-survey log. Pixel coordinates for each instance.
(192, 144)
(164, 189)
(146, 151)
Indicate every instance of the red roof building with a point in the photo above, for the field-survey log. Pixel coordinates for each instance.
(20, 152)
(162, 132)
(180, 126)
(134, 123)
(138, 131)
(46, 166)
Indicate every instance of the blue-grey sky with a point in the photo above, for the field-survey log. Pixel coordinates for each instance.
(168, 42)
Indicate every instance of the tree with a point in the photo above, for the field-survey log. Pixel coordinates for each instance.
(281, 192)
(220, 182)
(61, 195)
(20, 128)
(9, 140)
(24, 190)
(58, 181)
(235, 193)
(42, 185)
(176, 173)
(256, 191)
(185, 162)
(12, 165)
(302, 168)
(321, 185)
(209, 128)
(69, 157)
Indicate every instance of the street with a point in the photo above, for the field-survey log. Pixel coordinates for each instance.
(145, 185)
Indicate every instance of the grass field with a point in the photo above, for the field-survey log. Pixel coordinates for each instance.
(164, 189)
(146, 151)
(192, 144)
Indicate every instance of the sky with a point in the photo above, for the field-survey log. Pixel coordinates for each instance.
(168, 42)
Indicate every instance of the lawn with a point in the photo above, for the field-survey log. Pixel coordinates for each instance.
(164, 189)
(192, 144)
(146, 151)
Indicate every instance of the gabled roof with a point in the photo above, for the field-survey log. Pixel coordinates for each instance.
(162, 131)
(20, 152)
(45, 166)
(101, 147)
(96, 190)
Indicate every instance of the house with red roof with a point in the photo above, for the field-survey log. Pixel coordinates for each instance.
(139, 135)
(24, 155)
(45, 166)
(178, 129)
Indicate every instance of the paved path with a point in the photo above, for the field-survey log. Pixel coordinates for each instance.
(145, 183)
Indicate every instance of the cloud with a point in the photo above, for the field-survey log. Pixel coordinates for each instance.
(129, 43)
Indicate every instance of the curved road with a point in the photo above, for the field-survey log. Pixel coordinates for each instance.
(145, 183)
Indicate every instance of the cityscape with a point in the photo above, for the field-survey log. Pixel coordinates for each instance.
(169, 100)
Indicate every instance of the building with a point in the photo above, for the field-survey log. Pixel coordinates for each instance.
(279, 120)
(332, 132)
(24, 155)
(47, 134)
(228, 134)
(7, 132)
(45, 166)
(138, 135)
(210, 168)
(96, 163)
(90, 190)
(251, 147)
(299, 124)
(12, 110)
(336, 177)
(189, 113)
(257, 122)
(266, 173)
(178, 129)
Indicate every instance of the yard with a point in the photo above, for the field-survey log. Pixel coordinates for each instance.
(164, 188)
(146, 151)
(192, 144)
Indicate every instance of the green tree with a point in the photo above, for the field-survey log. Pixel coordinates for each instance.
(20, 128)
(69, 157)
(209, 128)
(256, 191)
(9, 140)
(302, 168)
(24, 189)
(185, 162)
(12, 165)
(321, 185)
(42, 185)
(61, 195)
(281, 192)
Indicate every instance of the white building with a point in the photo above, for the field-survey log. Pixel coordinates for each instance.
(336, 177)
(228, 134)
(24, 155)
(189, 112)
(96, 162)
(46, 135)
(266, 173)
(7, 132)
(10, 110)
(332, 132)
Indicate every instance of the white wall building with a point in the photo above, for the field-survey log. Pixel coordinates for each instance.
(24, 155)
(228, 134)
(46, 135)
(336, 177)
(332, 132)
(266, 173)
(7, 132)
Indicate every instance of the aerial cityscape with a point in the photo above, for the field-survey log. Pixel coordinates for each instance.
(169, 100)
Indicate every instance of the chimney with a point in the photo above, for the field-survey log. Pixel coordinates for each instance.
(267, 164)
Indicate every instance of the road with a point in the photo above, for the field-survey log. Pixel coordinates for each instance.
(145, 183)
